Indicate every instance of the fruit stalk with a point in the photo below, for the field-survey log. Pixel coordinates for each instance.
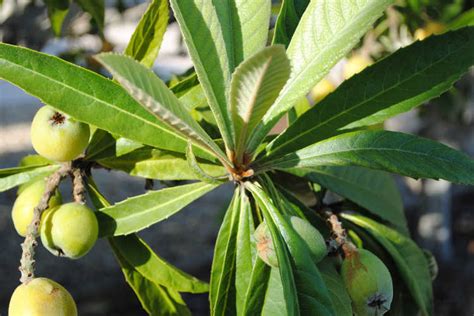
(28, 246)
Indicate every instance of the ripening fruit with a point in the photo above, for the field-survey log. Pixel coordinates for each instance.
(41, 297)
(56, 136)
(368, 282)
(322, 89)
(25, 203)
(70, 230)
(313, 238)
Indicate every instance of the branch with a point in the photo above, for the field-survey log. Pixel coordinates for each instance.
(28, 246)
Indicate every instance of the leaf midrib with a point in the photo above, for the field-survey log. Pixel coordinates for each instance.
(344, 112)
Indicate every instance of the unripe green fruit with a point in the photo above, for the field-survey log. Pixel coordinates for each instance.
(368, 282)
(56, 136)
(41, 297)
(25, 203)
(70, 230)
(312, 237)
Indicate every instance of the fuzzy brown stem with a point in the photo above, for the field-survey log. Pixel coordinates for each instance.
(79, 189)
(28, 246)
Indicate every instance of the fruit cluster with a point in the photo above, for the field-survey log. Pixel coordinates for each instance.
(365, 276)
(68, 230)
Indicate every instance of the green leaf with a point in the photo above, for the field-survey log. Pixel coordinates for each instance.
(152, 93)
(101, 145)
(396, 84)
(219, 35)
(222, 295)
(255, 86)
(96, 9)
(57, 11)
(290, 14)
(394, 152)
(245, 253)
(12, 177)
(257, 287)
(337, 290)
(198, 171)
(158, 164)
(87, 97)
(143, 259)
(408, 258)
(372, 189)
(465, 19)
(313, 296)
(154, 298)
(274, 304)
(139, 212)
(34, 160)
(328, 30)
(148, 36)
(124, 146)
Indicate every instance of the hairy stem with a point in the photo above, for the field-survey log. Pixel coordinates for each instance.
(28, 246)
(78, 191)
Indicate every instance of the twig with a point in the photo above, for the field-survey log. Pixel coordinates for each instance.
(78, 190)
(338, 234)
(28, 246)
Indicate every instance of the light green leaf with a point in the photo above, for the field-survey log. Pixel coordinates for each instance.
(57, 11)
(87, 97)
(288, 19)
(274, 304)
(96, 9)
(154, 298)
(146, 40)
(408, 258)
(222, 294)
(12, 177)
(257, 287)
(219, 35)
(337, 291)
(143, 259)
(152, 93)
(158, 164)
(328, 30)
(198, 171)
(396, 84)
(372, 189)
(313, 296)
(394, 152)
(124, 146)
(139, 212)
(465, 19)
(255, 86)
(245, 252)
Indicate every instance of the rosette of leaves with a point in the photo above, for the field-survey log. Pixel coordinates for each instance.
(241, 88)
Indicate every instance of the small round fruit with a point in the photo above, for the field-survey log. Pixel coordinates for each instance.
(368, 282)
(313, 238)
(70, 230)
(56, 136)
(40, 297)
(25, 203)
(322, 89)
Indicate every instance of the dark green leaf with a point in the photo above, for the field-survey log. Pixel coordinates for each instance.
(257, 287)
(396, 84)
(57, 11)
(139, 212)
(146, 40)
(337, 290)
(101, 145)
(372, 189)
(96, 9)
(290, 14)
(394, 152)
